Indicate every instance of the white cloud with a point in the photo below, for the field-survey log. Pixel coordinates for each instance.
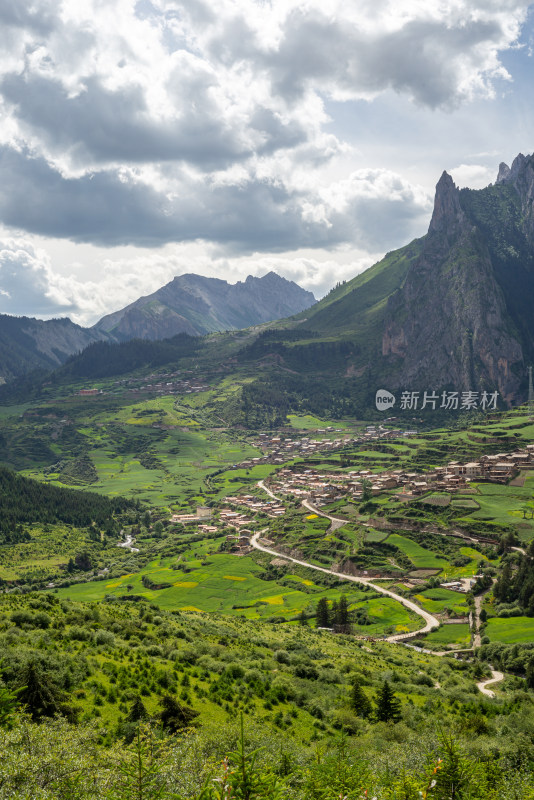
(149, 122)
(27, 281)
(474, 176)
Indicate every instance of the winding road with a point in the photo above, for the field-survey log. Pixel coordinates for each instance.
(430, 621)
(128, 543)
(495, 678)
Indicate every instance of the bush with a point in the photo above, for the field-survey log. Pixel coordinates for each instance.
(104, 637)
(79, 634)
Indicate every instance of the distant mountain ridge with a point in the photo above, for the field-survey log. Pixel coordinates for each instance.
(27, 344)
(197, 305)
(189, 304)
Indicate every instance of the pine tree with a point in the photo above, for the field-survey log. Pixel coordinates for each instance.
(387, 705)
(39, 692)
(322, 614)
(359, 702)
(175, 715)
(334, 611)
(341, 618)
(503, 588)
(303, 619)
(138, 711)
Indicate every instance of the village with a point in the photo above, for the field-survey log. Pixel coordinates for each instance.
(322, 488)
(325, 487)
(277, 448)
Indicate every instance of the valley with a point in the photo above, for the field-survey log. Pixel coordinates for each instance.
(314, 535)
(174, 599)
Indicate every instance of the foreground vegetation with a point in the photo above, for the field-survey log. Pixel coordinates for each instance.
(124, 700)
(125, 671)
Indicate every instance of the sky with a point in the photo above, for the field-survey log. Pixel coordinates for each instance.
(143, 139)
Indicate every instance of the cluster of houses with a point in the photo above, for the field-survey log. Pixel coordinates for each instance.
(201, 515)
(326, 487)
(277, 448)
(270, 507)
(164, 384)
(235, 519)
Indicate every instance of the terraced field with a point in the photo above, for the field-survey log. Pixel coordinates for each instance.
(419, 556)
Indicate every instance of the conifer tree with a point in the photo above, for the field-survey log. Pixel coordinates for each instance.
(39, 692)
(387, 705)
(503, 588)
(322, 614)
(175, 715)
(359, 701)
(341, 619)
(138, 711)
(334, 613)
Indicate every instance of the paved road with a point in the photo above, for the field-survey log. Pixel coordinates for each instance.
(430, 621)
(495, 678)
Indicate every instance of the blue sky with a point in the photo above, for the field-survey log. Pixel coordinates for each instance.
(141, 140)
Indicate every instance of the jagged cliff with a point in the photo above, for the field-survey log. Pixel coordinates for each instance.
(197, 305)
(463, 316)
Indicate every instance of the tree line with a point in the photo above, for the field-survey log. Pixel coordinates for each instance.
(23, 500)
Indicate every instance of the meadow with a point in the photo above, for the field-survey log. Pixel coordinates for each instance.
(510, 630)
(439, 600)
(456, 635)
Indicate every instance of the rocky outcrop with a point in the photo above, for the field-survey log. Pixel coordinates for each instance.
(197, 305)
(455, 322)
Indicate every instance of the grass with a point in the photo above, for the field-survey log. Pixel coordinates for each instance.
(419, 556)
(511, 630)
(164, 467)
(437, 600)
(309, 422)
(221, 583)
(504, 507)
(388, 617)
(456, 634)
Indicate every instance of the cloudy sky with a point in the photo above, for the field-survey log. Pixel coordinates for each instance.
(141, 139)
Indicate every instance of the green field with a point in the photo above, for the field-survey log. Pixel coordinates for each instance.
(513, 629)
(457, 634)
(419, 556)
(504, 504)
(388, 617)
(437, 600)
(219, 583)
(309, 422)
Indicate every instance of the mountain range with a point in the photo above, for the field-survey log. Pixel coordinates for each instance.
(197, 305)
(189, 304)
(451, 310)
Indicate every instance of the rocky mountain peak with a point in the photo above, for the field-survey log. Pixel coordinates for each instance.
(503, 175)
(517, 166)
(447, 209)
